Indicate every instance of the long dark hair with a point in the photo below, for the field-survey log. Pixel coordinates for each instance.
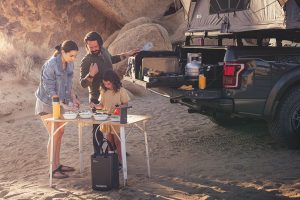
(67, 46)
(93, 36)
(112, 77)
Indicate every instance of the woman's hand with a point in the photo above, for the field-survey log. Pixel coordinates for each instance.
(76, 102)
(68, 108)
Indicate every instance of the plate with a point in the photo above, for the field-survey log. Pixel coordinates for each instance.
(115, 118)
(100, 117)
(85, 115)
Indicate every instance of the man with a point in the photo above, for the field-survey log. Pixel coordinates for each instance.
(92, 67)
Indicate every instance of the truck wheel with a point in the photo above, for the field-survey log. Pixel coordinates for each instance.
(285, 127)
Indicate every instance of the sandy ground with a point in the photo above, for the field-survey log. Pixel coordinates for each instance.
(190, 157)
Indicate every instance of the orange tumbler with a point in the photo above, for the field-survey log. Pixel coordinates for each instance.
(56, 107)
(202, 81)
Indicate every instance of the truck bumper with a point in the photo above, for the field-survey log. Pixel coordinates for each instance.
(205, 101)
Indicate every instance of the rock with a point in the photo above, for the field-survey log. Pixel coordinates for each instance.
(135, 23)
(134, 89)
(136, 38)
(173, 21)
(178, 36)
(124, 11)
(51, 22)
(120, 68)
(176, 26)
(110, 39)
(131, 96)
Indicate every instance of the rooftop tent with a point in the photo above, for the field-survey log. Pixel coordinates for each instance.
(229, 16)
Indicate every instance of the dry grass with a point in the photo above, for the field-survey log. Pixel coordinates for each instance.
(24, 67)
(24, 60)
(21, 57)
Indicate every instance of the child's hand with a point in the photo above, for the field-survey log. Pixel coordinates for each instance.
(98, 106)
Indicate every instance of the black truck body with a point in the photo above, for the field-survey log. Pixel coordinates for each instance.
(259, 81)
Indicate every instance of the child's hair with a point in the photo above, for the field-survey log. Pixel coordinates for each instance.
(112, 77)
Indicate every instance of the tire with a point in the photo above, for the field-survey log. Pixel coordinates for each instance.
(285, 126)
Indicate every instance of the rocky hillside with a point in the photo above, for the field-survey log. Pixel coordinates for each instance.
(48, 22)
(33, 27)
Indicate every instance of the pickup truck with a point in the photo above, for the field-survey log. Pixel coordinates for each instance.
(259, 81)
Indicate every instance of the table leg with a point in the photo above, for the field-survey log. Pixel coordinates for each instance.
(123, 150)
(146, 145)
(51, 152)
(80, 146)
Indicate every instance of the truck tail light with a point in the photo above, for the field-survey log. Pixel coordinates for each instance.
(231, 75)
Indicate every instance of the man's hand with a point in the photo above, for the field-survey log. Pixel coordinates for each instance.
(92, 105)
(93, 69)
(132, 52)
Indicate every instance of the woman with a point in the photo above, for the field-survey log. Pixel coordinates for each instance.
(56, 81)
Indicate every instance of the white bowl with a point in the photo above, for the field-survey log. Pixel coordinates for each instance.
(85, 115)
(115, 118)
(100, 117)
(70, 115)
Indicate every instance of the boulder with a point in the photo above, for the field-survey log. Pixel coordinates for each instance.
(136, 38)
(50, 22)
(110, 39)
(135, 23)
(124, 11)
(178, 36)
(134, 89)
(172, 22)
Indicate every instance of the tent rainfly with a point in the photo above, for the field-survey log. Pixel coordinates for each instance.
(231, 16)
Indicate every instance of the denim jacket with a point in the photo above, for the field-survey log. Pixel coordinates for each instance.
(55, 81)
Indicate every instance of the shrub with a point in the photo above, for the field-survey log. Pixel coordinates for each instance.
(21, 57)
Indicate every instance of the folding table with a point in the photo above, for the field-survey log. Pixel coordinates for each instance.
(132, 121)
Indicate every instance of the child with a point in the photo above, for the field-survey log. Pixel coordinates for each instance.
(111, 94)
